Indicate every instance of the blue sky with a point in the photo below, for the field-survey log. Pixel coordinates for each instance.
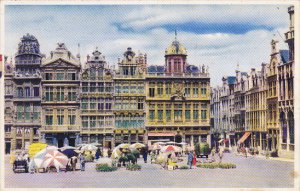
(219, 36)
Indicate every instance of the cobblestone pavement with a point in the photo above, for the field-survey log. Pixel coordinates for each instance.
(251, 172)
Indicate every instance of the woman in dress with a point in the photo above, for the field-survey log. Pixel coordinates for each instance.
(194, 160)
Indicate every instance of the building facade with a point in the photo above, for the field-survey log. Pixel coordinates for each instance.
(286, 94)
(177, 99)
(129, 98)
(60, 120)
(96, 90)
(23, 85)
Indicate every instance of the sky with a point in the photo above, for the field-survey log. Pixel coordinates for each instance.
(219, 36)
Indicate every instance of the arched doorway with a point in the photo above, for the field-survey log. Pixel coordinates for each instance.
(291, 127)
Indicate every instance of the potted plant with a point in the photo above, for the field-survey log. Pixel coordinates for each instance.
(105, 168)
(133, 167)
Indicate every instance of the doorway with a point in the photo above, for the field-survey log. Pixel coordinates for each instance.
(60, 143)
(72, 142)
(7, 147)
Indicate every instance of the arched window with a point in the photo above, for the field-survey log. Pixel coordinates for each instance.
(283, 127)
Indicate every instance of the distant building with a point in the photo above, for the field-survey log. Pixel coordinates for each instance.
(129, 98)
(96, 90)
(60, 97)
(177, 97)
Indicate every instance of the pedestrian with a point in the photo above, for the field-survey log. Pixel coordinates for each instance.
(145, 154)
(73, 163)
(213, 153)
(82, 162)
(246, 151)
(194, 160)
(190, 158)
(98, 154)
(221, 152)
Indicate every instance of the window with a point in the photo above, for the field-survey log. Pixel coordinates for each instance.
(20, 110)
(84, 103)
(85, 122)
(60, 76)
(60, 94)
(49, 116)
(27, 112)
(160, 115)
(27, 91)
(195, 90)
(36, 91)
(60, 116)
(20, 92)
(178, 112)
(36, 112)
(101, 87)
(196, 112)
(141, 89)
(49, 94)
(93, 74)
(100, 121)
(93, 87)
(125, 71)
(72, 116)
(168, 115)
(140, 103)
(93, 103)
(168, 88)
(85, 87)
(188, 112)
(48, 76)
(187, 90)
(101, 104)
(203, 114)
(108, 104)
(71, 76)
(203, 90)
(93, 121)
(159, 88)
(151, 115)
(108, 87)
(72, 94)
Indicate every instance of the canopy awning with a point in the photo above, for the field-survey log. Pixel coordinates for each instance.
(161, 134)
(244, 137)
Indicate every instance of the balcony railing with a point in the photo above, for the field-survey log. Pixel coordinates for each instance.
(24, 75)
(60, 128)
(27, 98)
(179, 75)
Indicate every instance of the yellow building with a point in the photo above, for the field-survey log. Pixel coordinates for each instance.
(177, 99)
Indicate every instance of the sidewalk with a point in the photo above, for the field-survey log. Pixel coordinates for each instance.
(270, 158)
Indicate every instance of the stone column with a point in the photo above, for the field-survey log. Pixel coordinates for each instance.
(31, 135)
(13, 138)
(23, 138)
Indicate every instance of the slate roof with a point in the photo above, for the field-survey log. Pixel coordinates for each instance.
(231, 79)
(284, 54)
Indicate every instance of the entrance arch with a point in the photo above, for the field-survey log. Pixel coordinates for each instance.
(283, 127)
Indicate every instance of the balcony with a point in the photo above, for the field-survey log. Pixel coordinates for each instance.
(289, 35)
(179, 75)
(137, 77)
(31, 122)
(60, 128)
(97, 130)
(96, 112)
(29, 98)
(27, 75)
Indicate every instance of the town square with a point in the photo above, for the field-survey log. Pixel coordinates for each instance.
(149, 96)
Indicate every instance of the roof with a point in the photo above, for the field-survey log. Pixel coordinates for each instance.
(156, 69)
(176, 48)
(192, 69)
(284, 55)
(61, 52)
(231, 79)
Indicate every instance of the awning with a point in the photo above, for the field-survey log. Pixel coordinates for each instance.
(244, 137)
(161, 134)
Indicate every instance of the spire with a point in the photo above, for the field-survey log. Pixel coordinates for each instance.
(175, 35)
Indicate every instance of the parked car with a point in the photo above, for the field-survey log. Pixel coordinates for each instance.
(20, 166)
(202, 150)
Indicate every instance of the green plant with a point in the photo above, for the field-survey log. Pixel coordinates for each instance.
(105, 168)
(202, 149)
(184, 167)
(136, 153)
(131, 158)
(217, 165)
(133, 167)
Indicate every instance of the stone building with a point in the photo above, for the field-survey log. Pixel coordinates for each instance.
(286, 70)
(23, 84)
(8, 104)
(129, 98)
(177, 98)
(97, 88)
(60, 97)
(215, 115)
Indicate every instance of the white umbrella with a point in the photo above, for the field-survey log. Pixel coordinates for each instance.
(67, 147)
(171, 148)
(56, 159)
(89, 147)
(170, 142)
(160, 143)
(137, 146)
(182, 143)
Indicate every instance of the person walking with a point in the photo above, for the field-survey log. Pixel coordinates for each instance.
(190, 158)
(98, 154)
(82, 162)
(213, 153)
(221, 152)
(194, 160)
(73, 163)
(145, 154)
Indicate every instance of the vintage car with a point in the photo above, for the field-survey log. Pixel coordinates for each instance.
(20, 166)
